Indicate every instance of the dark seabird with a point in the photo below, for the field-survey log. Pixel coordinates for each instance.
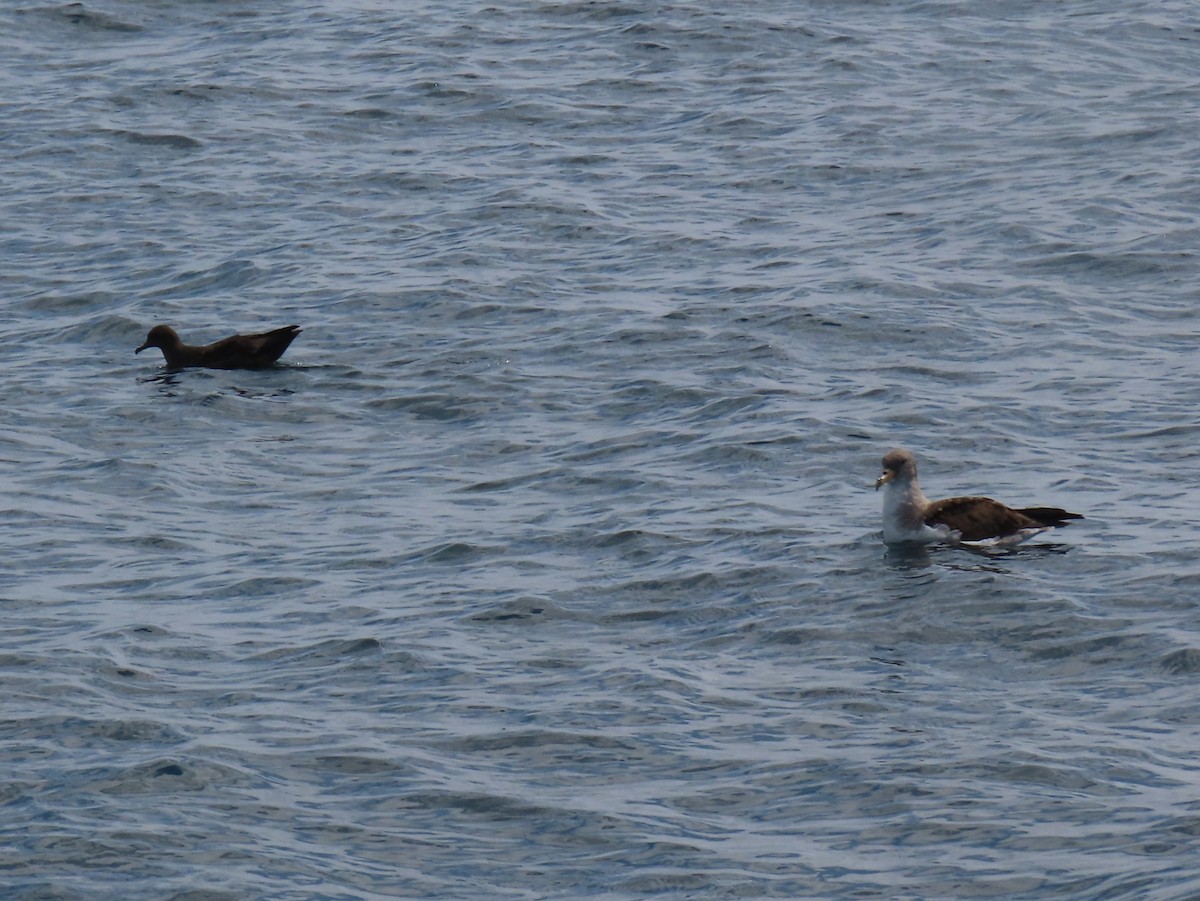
(234, 352)
(909, 516)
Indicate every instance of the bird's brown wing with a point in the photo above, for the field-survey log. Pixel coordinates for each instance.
(978, 518)
(270, 346)
(248, 351)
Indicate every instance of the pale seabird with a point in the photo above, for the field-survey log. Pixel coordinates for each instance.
(909, 516)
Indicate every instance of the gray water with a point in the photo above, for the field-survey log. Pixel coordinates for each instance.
(546, 565)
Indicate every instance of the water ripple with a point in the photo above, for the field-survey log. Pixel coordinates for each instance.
(547, 563)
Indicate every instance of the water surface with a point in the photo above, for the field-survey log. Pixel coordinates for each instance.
(547, 565)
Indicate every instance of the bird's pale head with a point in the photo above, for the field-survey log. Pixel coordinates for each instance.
(897, 464)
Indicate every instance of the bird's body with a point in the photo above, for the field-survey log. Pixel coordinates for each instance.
(234, 352)
(909, 516)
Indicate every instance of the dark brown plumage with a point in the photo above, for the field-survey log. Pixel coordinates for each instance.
(909, 516)
(234, 352)
(980, 518)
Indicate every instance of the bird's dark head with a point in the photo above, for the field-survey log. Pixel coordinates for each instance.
(161, 336)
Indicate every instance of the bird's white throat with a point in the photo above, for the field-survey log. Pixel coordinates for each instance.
(903, 504)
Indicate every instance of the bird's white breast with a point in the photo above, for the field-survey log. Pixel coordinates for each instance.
(902, 506)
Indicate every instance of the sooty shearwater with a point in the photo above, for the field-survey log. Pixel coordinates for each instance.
(234, 352)
(909, 516)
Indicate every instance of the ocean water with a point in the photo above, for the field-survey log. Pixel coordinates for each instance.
(546, 564)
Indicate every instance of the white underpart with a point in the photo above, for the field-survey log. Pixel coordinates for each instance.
(1008, 541)
(903, 503)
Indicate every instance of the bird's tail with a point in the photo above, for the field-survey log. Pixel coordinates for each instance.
(1050, 516)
